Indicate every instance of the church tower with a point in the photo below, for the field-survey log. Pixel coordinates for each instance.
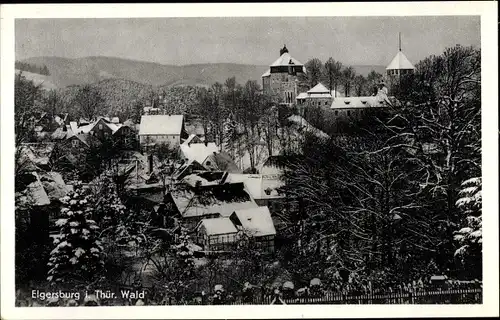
(282, 77)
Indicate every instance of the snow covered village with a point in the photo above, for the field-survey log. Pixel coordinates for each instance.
(296, 183)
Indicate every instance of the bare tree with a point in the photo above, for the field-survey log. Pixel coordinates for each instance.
(348, 75)
(360, 85)
(314, 69)
(90, 101)
(333, 73)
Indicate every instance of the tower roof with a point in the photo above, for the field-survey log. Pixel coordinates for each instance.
(399, 62)
(286, 60)
(319, 88)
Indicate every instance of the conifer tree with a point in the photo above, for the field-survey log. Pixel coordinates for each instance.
(78, 252)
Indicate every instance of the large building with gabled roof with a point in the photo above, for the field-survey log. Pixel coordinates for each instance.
(282, 77)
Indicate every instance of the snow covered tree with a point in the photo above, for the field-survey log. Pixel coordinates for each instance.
(470, 237)
(108, 206)
(439, 124)
(78, 252)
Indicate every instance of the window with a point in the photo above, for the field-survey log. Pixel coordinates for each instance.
(336, 112)
(74, 143)
(326, 103)
(208, 163)
(100, 126)
(348, 112)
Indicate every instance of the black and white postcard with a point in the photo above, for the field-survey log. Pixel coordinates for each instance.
(217, 160)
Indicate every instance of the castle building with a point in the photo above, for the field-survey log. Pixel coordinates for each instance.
(318, 96)
(282, 77)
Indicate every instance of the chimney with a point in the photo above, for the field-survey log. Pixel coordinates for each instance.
(150, 163)
(283, 50)
(224, 177)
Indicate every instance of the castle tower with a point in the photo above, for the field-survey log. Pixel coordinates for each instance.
(282, 77)
(400, 66)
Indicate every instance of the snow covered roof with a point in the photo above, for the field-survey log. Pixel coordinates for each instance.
(259, 186)
(198, 151)
(400, 61)
(319, 95)
(161, 125)
(35, 154)
(59, 134)
(192, 139)
(54, 185)
(306, 126)
(256, 221)
(218, 199)
(217, 226)
(223, 162)
(285, 59)
(36, 192)
(205, 178)
(354, 102)
(129, 123)
(114, 126)
(186, 167)
(267, 73)
(319, 88)
(76, 130)
(302, 95)
(378, 101)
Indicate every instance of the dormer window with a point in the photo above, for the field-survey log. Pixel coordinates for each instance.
(347, 102)
(268, 191)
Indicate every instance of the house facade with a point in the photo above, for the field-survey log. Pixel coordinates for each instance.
(162, 129)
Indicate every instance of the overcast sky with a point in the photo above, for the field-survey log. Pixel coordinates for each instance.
(351, 40)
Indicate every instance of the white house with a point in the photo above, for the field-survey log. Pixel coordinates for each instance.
(162, 129)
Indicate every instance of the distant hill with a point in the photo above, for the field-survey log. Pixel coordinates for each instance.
(65, 72)
(39, 79)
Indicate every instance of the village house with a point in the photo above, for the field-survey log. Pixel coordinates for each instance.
(282, 77)
(265, 190)
(216, 234)
(162, 129)
(207, 154)
(72, 150)
(257, 225)
(222, 234)
(193, 204)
